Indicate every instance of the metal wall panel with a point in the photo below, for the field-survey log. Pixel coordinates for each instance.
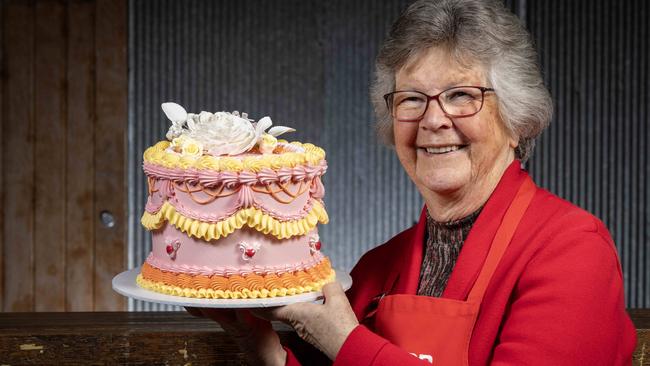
(308, 64)
(595, 153)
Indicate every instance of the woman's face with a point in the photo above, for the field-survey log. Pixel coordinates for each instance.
(455, 162)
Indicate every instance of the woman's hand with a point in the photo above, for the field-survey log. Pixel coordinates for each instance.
(325, 326)
(254, 336)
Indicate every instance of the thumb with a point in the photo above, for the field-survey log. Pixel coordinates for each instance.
(333, 293)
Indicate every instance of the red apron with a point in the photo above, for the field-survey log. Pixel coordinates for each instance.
(438, 329)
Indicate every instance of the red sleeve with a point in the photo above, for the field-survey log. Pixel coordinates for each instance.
(363, 347)
(568, 307)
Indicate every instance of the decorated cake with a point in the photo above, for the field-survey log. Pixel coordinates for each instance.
(232, 210)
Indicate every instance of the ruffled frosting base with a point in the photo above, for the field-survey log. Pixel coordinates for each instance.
(251, 286)
(252, 217)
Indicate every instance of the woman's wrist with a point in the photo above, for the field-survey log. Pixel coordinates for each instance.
(342, 337)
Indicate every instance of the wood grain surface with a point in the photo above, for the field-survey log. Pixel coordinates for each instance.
(18, 155)
(154, 338)
(80, 174)
(110, 149)
(49, 155)
(64, 116)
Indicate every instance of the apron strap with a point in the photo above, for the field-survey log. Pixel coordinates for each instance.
(502, 238)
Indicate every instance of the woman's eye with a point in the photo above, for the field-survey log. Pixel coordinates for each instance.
(458, 95)
(410, 100)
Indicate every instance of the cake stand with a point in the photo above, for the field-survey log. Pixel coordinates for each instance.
(124, 284)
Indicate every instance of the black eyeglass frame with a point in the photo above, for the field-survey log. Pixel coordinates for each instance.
(436, 97)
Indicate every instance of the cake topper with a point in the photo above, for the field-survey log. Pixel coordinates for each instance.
(219, 133)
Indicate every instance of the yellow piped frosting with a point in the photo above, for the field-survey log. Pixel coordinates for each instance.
(158, 155)
(252, 217)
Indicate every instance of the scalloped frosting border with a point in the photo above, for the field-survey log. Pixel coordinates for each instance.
(250, 286)
(312, 155)
(252, 217)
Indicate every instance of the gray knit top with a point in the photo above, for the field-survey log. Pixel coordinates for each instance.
(442, 244)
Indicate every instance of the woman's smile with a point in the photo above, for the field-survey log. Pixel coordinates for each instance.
(441, 150)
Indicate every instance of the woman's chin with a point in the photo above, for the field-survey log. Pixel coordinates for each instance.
(442, 181)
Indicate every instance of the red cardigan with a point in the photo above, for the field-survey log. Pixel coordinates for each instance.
(555, 299)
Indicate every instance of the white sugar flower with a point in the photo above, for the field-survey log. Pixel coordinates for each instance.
(225, 134)
(221, 133)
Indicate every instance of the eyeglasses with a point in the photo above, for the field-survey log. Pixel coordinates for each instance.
(457, 102)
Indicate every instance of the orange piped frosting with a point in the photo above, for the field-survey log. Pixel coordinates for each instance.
(236, 286)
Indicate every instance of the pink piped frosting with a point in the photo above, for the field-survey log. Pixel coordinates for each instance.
(247, 178)
(246, 197)
(298, 174)
(285, 174)
(202, 206)
(267, 176)
(210, 178)
(230, 179)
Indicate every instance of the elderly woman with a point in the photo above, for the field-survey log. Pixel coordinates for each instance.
(497, 271)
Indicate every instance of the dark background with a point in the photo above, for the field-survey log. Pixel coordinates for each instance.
(82, 81)
(308, 64)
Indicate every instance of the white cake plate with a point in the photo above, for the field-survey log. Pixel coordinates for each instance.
(124, 284)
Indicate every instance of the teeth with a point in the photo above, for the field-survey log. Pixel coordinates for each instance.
(440, 150)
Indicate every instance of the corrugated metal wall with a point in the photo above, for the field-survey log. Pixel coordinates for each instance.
(308, 64)
(595, 154)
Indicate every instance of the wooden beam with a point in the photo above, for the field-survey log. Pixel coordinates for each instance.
(50, 112)
(18, 155)
(79, 218)
(110, 148)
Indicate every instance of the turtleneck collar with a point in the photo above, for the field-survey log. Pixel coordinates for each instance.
(443, 242)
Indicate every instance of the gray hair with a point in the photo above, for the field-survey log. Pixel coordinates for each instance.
(479, 32)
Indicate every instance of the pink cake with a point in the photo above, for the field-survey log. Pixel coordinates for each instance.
(233, 212)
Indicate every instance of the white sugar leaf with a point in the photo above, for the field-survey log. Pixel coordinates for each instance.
(279, 130)
(262, 125)
(174, 112)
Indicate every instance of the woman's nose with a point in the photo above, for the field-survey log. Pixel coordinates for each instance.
(434, 117)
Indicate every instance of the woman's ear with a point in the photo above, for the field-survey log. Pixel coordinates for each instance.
(513, 138)
(513, 141)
